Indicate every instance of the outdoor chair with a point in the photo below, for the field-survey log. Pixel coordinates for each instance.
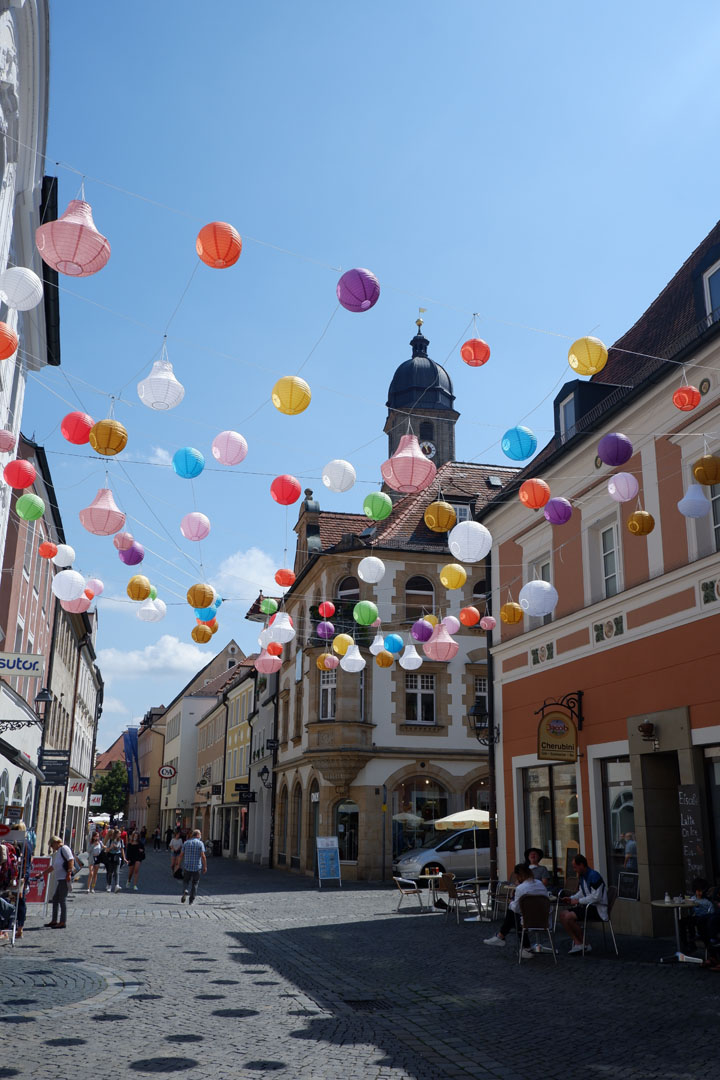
(408, 888)
(535, 916)
(500, 901)
(571, 887)
(455, 896)
(611, 898)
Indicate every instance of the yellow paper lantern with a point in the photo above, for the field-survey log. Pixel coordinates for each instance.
(432, 619)
(108, 437)
(201, 634)
(138, 587)
(587, 356)
(320, 662)
(511, 613)
(640, 523)
(707, 470)
(291, 395)
(213, 627)
(200, 596)
(384, 659)
(341, 643)
(453, 576)
(440, 516)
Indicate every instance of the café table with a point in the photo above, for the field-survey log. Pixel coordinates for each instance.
(678, 904)
(478, 885)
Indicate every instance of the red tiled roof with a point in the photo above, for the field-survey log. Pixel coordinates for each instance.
(109, 757)
(226, 679)
(333, 526)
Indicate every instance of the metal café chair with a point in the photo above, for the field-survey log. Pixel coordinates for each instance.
(611, 898)
(408, 888)
(535, 916)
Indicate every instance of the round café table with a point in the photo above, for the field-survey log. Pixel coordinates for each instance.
(678, 957)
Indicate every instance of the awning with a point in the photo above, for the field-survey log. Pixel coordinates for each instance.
(17, 757)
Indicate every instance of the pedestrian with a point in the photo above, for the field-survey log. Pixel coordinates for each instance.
(94, 851)
(168, 837)
(176, 847)
(156, 839)
(135, 855)
(114, 852)
(193, 860)
(62, 863)
(143, 834)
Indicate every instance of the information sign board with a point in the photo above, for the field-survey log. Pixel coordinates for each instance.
(328, 859)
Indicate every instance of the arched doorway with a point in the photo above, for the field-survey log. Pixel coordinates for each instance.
(347, 827)
(477, 795)
(416, 802)
(296, 827)
(314, 823)
(282, 827)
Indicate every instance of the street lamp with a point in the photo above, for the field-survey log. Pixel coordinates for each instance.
(479, 719)
(264, 776)
(482, 724)
(42, 703)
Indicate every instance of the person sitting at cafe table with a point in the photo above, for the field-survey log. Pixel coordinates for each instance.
(533, 855)
(528, 885)
(703, 920)
(591, 895)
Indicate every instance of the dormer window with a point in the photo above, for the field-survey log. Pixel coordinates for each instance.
(712, 292)
(566, 415)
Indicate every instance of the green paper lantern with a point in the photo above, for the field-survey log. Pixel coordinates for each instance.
(268, 606)
(153, 592)
(365, 613)
(29, 507)
(377, 505)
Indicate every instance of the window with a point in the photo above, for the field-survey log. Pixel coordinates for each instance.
(362, 694)
(566, 413)
(29, 538)
(346, 829)
(541, 570)
(349, 590)
(419, 598)
(481, 691)
(712, 293)
(419, 699)
(479, 591)
(551, 815)
(328, 682)
(415, 804)
(282, 828)
(715, 503)
(608, 549)
(4, 793)
(619, 807)
(297, 826)
(427, 431)
(462, 511)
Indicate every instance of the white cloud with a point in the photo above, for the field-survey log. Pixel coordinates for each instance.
(244, 574)
(114, 705)
(160, 456)
(167, 656)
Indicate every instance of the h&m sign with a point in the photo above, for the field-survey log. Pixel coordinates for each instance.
(21, 665)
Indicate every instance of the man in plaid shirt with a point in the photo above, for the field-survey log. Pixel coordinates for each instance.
(193, 860)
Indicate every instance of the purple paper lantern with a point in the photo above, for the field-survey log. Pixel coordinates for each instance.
(615, 449)
(422, 630)
(132, 555)
(325, 630)
(557, 511)
(358, 290)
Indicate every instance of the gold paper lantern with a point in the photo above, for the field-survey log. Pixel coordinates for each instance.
(453, 576)
(200, 596)
(707, 470)
(640, 523)
(341, 643)
(108, 437)
(384, 659)
(432, 619)
(138, 587)
(440, 516)
(511, 613)
(587, 356)
(291, 395)
(201, 634)
(320, 662)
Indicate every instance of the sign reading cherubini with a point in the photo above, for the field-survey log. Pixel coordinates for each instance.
(22, 665)
(557, 737)
(167, 772)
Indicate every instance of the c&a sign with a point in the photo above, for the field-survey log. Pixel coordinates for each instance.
(557, 737)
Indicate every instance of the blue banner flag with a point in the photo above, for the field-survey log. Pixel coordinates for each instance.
(127, 747)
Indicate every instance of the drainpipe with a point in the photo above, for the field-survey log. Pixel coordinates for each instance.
(492, 787)
(222, 820)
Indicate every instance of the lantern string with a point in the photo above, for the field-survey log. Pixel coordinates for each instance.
(327, 327)
(182, 297)
(160, 523)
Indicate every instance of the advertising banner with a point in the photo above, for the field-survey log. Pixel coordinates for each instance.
(96, 801)
(21, 665)
(129, 763)
(40, 867)
(328, 859)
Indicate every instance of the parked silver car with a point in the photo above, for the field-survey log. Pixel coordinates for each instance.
(453, 854)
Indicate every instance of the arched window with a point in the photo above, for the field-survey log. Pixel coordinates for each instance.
(477, 796)
(419, 598)
(282, 828)
(416, 802)
(479, 591)
(347, 817)
(27, 812)
(296, 826)
(17, 791)
(4, 793)
(349, 590)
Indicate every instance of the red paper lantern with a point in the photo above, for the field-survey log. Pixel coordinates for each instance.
(90, 594)
(274, 648)
(285, 578)
(326, 609)
(47, 550)
(408, 470)
(469, 616)
(534, 493)
(687, 398)
(76, 426)
(285, 489)
(475, 352)
(19, 474)
(8, 341)
(218, 245)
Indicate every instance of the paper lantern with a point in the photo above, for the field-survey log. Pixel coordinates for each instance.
(219, 245)
(325, 630)
(408, 470)
(331, 662)
(108, 437)
(274, 648)
(102, 517)
(557, 511)
(188, 462)
(338, 475)
(488, 622)
(518, 443)
(291, 395)
(358, 290)
(19, 474)
(319, 663)
(264, 637)
(451, 624)
(153, 592)
(538, 598)
(267, 664)
(200, 595)
(29, 507)
(640, 523)
(8, 341)
(371, 570)
(432, 619)
(47, 550)
(151, 610)
(203, 634)
(410, 659)
(694, 503)
(96, 586)
(453, 576)
(475, 352)
(469, 616)
(195, 526)
(229, 448)
(285, 489)
(622, 487)
(421, 630)
(68, 585)
(64, 556)
(217, 601)
(587, 356)
(133, 555)
(268, 606)
(342, 643)
(440, 646)
(469, 541)
(72, 245)
(377, 505)
(77, 607)
(439, 516)
(326, 609)
(20, 288)
(161, 390)
(365, 613)
(214, 627)
(706, 470)
(7, 441)
(615, 449)
(384, 659)
(284, 578)
(138, 587)
(685, 398)
(281, 628)
(511, 613)
(534, 494)
(76, 428)
(353, 661)
(378, 643)
(393, 643)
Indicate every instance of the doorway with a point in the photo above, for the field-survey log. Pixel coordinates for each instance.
(661, 779)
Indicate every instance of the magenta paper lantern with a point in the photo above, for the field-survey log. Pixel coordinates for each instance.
(451, 624)
(615, 449)
(408, 470)
(488, 623)
(72, 245)
(331, 661)
(102, 517)
(557, 511)
(7, 442)
(123, 541)
(440, 646)
(132, 555)
(77, 607)
(195, 526)
(95, 585)
(229, 448)
(422, 630)
(267, 664)
(358, 290)
(325, 630)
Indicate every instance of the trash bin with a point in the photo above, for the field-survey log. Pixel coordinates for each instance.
(216, 847)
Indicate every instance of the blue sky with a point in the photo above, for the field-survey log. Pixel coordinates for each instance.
(549, 168)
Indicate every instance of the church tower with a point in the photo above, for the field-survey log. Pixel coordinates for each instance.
(421, 395)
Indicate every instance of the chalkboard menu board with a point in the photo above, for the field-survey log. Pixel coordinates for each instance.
(691, 831)
(628, 885)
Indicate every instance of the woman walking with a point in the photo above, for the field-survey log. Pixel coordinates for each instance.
(114, 852)
(176, 847)
(135, 855)
(94, 851)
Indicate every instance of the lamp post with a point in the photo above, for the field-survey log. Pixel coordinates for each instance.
(43, 700)
(482, 725)
(264, 777)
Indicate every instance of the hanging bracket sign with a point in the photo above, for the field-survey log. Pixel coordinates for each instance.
(328, 859)
(557, 737)
(167, 772)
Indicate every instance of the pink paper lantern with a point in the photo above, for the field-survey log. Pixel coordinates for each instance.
(331, 662)
(102, 517)
(77, 607)
(95, 586)
(123, 541)
(7, 442)
(72, 245)
(195, 526)
(440, 646)
(408, 470)
(229, 448)
(451, 624)
(267, 664)
(488, 623)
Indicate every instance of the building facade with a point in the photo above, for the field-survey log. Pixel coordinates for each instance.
(236, 816)
(262, 778)
(144, 805)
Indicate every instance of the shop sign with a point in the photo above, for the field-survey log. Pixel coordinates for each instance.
(96, 800)
(144, 782)
(14, 813)
(245, 797)
(216, 789)
(167, 772)
(77, 787)
(557, 738)
(20, 665)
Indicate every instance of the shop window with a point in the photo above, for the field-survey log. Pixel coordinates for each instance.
(419, 598)
(415, 805)
(346, 829)
(328, 685)
(550, 813)
(712, 755)
(477, 796)
(619, 811)
(419, 699)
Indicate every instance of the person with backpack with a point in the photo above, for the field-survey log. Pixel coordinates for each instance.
(63, 863)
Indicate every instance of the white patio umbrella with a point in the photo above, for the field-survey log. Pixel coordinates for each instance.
(465, 819)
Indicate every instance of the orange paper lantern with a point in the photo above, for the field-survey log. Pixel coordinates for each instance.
(47, 550)
(384, 659)
(8, 341)
(534, 493)
(201, 634)
(686, 398)
(108, 437)
(475, 352)
(469, 616)
(200, 596)
(285, 578)
(218, 245)
(274, 648)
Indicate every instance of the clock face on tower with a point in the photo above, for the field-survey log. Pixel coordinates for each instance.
(428, 448)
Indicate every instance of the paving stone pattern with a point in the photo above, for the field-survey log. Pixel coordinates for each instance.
(264, 975)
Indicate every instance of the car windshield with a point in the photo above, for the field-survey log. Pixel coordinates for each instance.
(427, 838)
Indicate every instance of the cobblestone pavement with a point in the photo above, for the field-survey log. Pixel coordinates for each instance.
(264, 975)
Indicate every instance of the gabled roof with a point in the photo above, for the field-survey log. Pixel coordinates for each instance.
(198, 674)
(109, 757)
(226, 679)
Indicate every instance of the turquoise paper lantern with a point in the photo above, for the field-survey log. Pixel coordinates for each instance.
(393, 643)
(204, 614)
(518, 443)
(188, 462)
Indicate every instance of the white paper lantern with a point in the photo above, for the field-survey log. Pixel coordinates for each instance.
(338, 475)
(469, 541)
(151, 610)
(281, 629)
(451, 624)
(411, 659)
(538, 598)
(371, 570)
(694, 503)
(20, 288)
(229, 448)
(352, 661)
(378, 643)
(161, 390)
(264, 638)
(622, 487)
(68, 585)
(64, 556)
